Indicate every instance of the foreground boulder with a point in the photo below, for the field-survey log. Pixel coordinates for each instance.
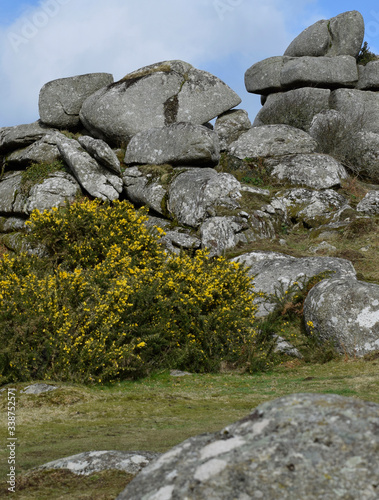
(346, 312)
(154, 96)
(177, 144)
(302, 446)
(60, 100)
(274, 273)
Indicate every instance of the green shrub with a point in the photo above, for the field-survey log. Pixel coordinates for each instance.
(365, 55)
(109, 303)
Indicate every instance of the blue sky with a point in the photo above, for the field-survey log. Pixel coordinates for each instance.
(41, 40)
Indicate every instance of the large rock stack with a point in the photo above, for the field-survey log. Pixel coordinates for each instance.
(318, 86)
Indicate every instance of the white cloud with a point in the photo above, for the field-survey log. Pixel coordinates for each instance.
(60, 38)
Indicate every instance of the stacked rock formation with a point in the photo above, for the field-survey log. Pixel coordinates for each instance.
(147, 138)
(318, 86)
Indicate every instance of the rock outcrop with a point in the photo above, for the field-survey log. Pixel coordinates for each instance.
(299, 446)
(223, 187)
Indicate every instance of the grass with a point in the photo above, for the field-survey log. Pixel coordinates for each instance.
(152, 414)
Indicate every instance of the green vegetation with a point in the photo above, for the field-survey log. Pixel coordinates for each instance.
(108, 303)
(154, 414)
(365, 55)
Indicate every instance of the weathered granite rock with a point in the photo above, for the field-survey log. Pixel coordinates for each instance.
(11, 224)
(301, 446)
(155, 96)
(41, 151)
(282, 346)
(22, 135)
(230, 125)
(329, 72)
(346, 312)
(219, 234)
(324, 246)
(176, 144)
(332, 131)
(317, 171)
(145, 189)
(274, 273)
(12, 201)
(52, 192)
(263, 77)
(340, 35)
(296, 107)
(368, 76)
(363, 158)
(313, 208)
(314, 41)
(272, 140)
(60, 100)
(194, 195)
(175, 241)
(39, 388)
(95, 461)
(95, 179)
(370, 203)
(102, 153)
(360, 107)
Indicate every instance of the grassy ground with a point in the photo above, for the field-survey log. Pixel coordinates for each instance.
(153, 414)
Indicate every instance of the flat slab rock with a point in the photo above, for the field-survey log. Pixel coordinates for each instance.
(302, 446)
(39, 388)
(95, 461)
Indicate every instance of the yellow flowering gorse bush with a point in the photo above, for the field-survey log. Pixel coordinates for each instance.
(105, 301)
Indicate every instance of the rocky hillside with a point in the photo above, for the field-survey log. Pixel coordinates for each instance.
(309, 162)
